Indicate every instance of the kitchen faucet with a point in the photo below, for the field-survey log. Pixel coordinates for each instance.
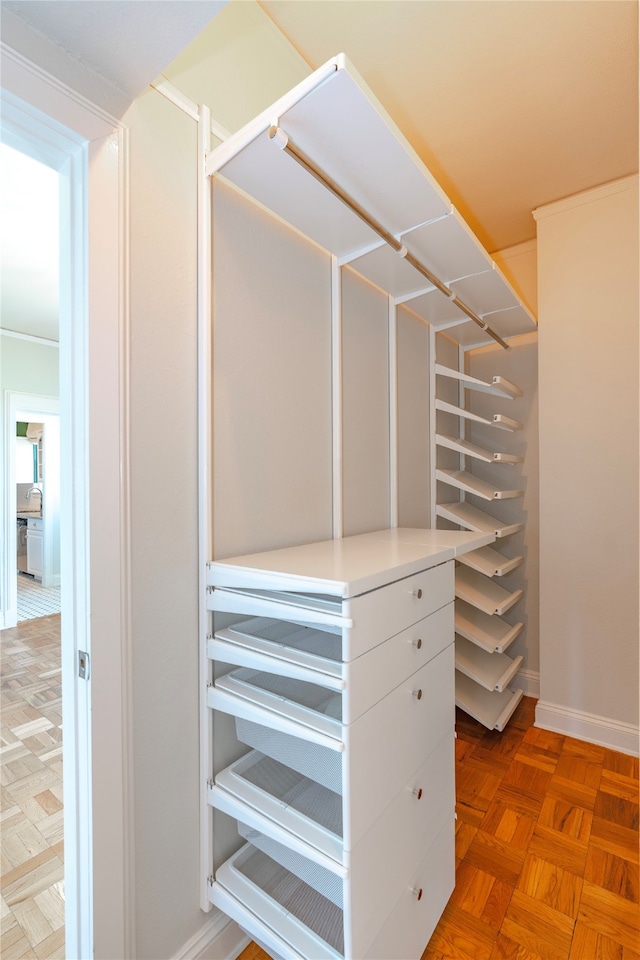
(34, 489)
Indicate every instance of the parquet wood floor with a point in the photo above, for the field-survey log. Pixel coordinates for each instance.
(31, 842)
(546, 849)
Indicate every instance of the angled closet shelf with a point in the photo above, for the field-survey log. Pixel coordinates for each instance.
(484, 671)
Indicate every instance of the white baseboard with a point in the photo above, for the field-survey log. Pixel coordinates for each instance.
(219, 938)
(529, 682)
(603, 731)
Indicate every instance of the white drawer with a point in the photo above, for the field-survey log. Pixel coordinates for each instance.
(365, 621)
(390, 742)
(398, 839)
(368, 759)
(407, 930)
(362, 682)
(373, 675)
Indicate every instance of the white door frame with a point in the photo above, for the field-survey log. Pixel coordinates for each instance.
(54, 124)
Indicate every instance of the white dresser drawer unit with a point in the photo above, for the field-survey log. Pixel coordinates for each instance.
(340, 679)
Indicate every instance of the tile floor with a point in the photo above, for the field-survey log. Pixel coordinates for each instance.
(34, 600)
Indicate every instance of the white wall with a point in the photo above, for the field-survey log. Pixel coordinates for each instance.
(414, 466)
(588, 301)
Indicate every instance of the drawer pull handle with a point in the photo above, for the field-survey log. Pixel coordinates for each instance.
(417, 892)
(418, 643)
(417, 792)
(417, 694)
(418, 593)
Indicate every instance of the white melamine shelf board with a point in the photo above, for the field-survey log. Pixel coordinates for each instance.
(460, 541)
(497, 419)
(490, 562)
(483, 593)
(335, 123)
(471, 484)
(343, 567)
(492, 633)
(493, 710)
(493, 671)
(498, 387)
(448, 248)
(384, 267)
(473, 450)
(485, 292)
(473, 519)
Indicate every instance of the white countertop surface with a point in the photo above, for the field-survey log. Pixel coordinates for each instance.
(346, 567)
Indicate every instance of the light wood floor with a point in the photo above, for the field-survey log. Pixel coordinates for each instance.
(31, 802)
(546, 848)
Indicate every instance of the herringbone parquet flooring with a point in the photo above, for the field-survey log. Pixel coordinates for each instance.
(546, 848)
(32, 827)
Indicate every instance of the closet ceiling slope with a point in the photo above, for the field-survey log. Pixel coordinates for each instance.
(334, 120)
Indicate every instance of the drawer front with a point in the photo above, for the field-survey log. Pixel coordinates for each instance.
(390, 742)
(372, 676)
(383, 613)
(407, 930)
(399, 839)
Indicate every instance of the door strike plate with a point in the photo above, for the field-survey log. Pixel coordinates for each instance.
(83, 665)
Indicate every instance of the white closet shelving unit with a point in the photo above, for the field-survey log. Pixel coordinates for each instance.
(484, 672)
(341, 684)
(327, 160)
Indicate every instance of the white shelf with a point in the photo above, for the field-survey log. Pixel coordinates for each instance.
(473, 450)
(490, 632)
(472, 484)
(483, 593)
(497, 420)
(493, 710)
(499, 387)
(494, 671)
(473, 519)
(490, 562)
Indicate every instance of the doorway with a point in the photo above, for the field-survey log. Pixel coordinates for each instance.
(45, 120)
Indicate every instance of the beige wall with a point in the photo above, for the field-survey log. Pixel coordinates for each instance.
(365, 412)
(164, 562)
(588, 300)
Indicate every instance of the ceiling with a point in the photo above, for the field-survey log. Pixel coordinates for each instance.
(510, 103)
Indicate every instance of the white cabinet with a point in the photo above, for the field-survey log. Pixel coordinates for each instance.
(340, 682)
(35, 547)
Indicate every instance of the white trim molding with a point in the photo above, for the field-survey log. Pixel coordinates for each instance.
(529, 681)
(623, 737)
(218, 939)
(586, 196)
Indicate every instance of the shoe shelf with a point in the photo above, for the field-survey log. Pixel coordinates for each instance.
(473, 519)
(487, 631)
(468, 449)
(497, 420)
(493, 671)
(463, 480)
(483, 593)
(498, 387)
(492, 709)
(490, 562)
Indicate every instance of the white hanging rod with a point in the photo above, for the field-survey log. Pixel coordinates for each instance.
(282, 140)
